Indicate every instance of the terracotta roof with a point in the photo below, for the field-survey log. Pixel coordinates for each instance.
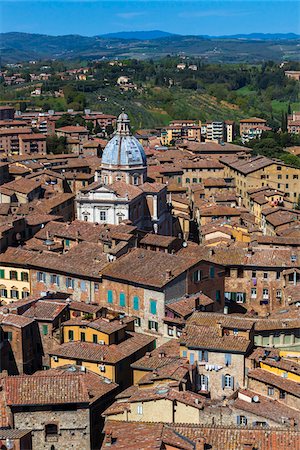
(158, 240)
(235, 438)
(73, 129)
(270, 378)
(158, 393)
(248, 165)
(160, 357)
(111, 354)
(206, 337)
(147, 267)
(45, 310)
(186, 305)
(56, 386)
(267, 408)
(143, 436)
(22, 185)
(100, 324)
(253, 119)
(14, 320)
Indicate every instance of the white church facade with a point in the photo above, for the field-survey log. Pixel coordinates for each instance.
(121, 191)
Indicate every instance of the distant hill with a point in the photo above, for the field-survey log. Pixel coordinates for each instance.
(18, 47)
(262, 36)
(140, 35)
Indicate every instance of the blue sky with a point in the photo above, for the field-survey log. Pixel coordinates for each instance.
(93, 17)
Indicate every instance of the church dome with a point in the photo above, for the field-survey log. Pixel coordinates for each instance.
(123, 149)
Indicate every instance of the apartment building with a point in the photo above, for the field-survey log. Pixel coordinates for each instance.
(255, 172)
(252, 128)
(293, 123)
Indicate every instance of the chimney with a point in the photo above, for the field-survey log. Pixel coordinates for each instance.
(200, 443)
(168, 274)
(108, 439)
(220, 329)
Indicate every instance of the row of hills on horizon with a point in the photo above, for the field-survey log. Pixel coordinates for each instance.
(255, 47)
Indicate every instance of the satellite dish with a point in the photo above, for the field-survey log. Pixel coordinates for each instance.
(255, 399)
(184, 244)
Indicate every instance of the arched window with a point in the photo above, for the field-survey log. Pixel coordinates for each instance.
(51, 429)
(187, 180)
(25, 293)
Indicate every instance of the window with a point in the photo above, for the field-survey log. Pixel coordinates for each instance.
(7, 336)
(3, 292)
(25, 293)
(227, 381)
(295, 177)
(45, 330)
(51, 429)
(187, 180)
(14, 293)
(82, 285)
(194, 180)
(122, 299)
(135, 180)
(265, 275)
(203, 355)
(71, 335)
(137, 322)
(241, 420)
(253, 293)
(278, 167)
(286, 186)
(102, 216)
(136, 303)
(67, 242)
(109, 296)
(192, 358)
(85, 218)
(277, 275)
(281, 394)
(70, 283)
(240, 297)
(153, 307)
(2, 273)
(170, 331)
(152, 325)
(279, 177)
(96, 287)
(95, 339)
(270, 390)
(184, 354)
(41, 276)
(140, 409)
(278, 293)
(253, 273)
(265, 294)
(218, 295)
(227, 359)
(82, 337)
(197, 276)
(212, 272)
(24, 276)
(13, 275)
(54, 279)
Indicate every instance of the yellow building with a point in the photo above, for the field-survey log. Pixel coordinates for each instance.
(259, 171)
(102, 346)
(14, 283)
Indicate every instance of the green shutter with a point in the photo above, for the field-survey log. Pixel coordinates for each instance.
(2, 273)
(122, 299)
(45, 330)
(153, 309)
(109, 296)
(136, 303)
